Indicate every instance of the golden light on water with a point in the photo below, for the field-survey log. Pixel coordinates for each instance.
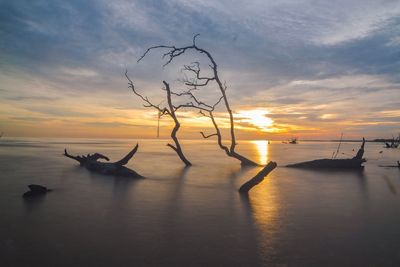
(262, 150)
(266, 206)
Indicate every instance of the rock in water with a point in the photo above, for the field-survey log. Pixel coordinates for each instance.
(35, 190)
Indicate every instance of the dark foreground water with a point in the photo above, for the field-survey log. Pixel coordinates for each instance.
(194, 216)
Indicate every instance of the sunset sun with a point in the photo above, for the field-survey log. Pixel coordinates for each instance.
(257, 118)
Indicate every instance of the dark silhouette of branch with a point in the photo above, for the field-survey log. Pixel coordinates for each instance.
(80, 159)
(198, 102)
(360, 152)
(177, 147)
(338, 148)
(126, 159)
(170, 111)
(208, 136)
(195, 68)
(144, 98)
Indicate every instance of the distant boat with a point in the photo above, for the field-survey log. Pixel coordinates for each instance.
(290, 141)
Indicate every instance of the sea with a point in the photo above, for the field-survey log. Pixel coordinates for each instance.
(195, 216)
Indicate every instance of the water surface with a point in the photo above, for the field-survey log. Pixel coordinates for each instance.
(194, 216)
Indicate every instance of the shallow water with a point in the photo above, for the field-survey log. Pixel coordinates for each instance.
(194, 216)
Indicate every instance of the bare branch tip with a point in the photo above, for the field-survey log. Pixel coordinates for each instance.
(194, 39)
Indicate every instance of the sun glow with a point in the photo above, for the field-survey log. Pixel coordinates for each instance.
(256, 117)
(262, 150)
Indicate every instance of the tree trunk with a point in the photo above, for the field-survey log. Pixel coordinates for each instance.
(177, 148)
(245, 188)
(230, 152)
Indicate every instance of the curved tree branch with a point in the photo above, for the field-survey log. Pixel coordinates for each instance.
(208, 136)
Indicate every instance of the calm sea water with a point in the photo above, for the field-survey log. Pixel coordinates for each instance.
(194, 216)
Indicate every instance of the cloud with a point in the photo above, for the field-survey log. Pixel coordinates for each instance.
(32, 98)
(299, 59)
(30, 119)
(80, 72)
(114, 124)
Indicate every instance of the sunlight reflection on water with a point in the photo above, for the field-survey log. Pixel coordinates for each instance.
(265, 206)
(262, 148)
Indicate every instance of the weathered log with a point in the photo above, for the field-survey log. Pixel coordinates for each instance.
(329, 164)
(117, 168)
(394, 143)
(353, 163)
(391, 166)
(35, 190)
(360, 152)
(245, 188)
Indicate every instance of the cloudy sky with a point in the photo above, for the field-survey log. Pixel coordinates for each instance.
(311, 69)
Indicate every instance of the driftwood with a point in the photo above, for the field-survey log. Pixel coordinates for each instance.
(245, 188)
(117, 168)
(392, 166)
(353, 163)
(35, 190)
(394, 143)
(329, 164)
(391, 145)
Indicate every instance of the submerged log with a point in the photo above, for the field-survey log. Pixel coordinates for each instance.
(245, 188)
(117, 168)
(35, 190)
(353, 163)
(329, 164)
(392, 145)
(392, 166)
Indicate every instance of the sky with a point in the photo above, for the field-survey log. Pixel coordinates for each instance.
(293, 68)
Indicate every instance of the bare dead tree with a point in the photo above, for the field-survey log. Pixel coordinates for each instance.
(170, 111)
(199, 81)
